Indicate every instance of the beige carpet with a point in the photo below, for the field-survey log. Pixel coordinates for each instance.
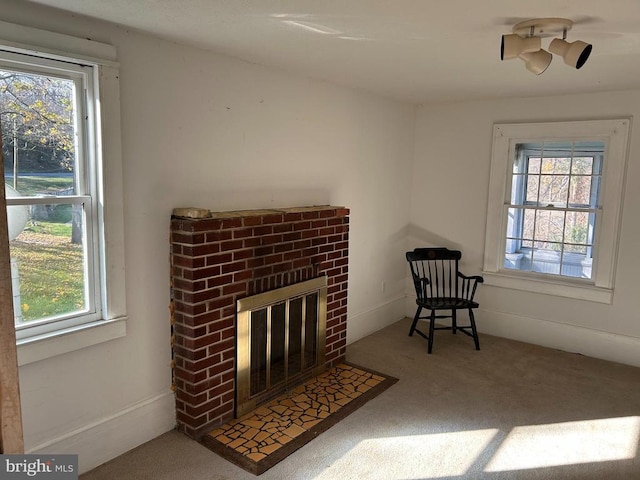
(508, 411)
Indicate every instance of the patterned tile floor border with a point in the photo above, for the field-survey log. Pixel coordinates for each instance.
(262, 438)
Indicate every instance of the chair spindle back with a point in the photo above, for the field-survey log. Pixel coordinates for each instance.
(435, 272)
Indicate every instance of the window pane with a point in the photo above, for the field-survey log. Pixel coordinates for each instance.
(552, 165)
(528, 224)
(39, 184)
(581, 249)
(554, 189)
(546, 257)
(580, 190)
(513, 229)
(577, 228)
(513, 222)
(38, 133)
(582, 166)
(576, 264)
(532, 188)
(534, 165)
(47, 257)
(549, 226)
(517, 186)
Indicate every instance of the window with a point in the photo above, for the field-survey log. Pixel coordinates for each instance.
(50, 182)
(62, 173)
(554, 207)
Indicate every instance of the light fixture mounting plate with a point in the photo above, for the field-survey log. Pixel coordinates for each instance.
(542, 27)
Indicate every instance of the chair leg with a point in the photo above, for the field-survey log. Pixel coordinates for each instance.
(415, 321)
(432, 324)
(473, 329)
(454, 324)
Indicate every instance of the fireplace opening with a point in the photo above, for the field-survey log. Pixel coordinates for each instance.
(280, 341)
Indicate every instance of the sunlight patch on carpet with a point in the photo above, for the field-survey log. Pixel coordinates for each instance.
(569, 443)
(414, 457)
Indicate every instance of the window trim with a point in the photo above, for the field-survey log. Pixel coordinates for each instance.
(615, 134)
(110, 210)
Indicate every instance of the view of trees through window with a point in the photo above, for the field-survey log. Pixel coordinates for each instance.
(39, 147)
(553, 208)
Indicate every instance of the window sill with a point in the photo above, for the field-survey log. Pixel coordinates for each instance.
(549, 287)
(41, 347)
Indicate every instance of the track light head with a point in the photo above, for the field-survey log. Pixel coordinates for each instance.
(575, 54)
(526, 38)
(537, 62)
(513, 45)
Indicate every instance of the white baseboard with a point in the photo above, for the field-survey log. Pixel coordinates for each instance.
(114, 435)
(569, 338)
(561, 336)
(364, 323)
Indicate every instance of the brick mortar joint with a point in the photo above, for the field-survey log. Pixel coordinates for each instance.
(228, 386)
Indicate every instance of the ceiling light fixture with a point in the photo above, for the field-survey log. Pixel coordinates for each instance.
(575, 54)
(513, 45)
(536, 62)
(526, 43)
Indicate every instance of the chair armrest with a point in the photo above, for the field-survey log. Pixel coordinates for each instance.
(469, 285)
(477, 278)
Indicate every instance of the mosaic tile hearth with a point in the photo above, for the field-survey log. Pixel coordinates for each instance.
(281, 421)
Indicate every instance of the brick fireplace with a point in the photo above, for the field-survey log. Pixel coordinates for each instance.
(226, 256)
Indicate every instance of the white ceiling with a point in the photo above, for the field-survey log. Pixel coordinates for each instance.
(413, 50)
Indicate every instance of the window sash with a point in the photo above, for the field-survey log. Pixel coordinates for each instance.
(552, 208)
(45, 200)
(521, 177)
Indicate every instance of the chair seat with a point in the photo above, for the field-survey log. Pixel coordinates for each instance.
(446, 303)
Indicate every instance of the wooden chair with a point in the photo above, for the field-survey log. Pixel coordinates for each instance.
(441, 286)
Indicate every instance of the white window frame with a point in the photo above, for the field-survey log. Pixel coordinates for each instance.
(615, 134)
(109, 321)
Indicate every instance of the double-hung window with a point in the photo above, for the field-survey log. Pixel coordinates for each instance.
(63, 187)
(46, 113)
(554, 207)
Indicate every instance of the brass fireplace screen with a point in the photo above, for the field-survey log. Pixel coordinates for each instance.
(281, 338)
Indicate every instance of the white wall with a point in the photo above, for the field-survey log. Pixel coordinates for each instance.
(448, 207)
(199, 129)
